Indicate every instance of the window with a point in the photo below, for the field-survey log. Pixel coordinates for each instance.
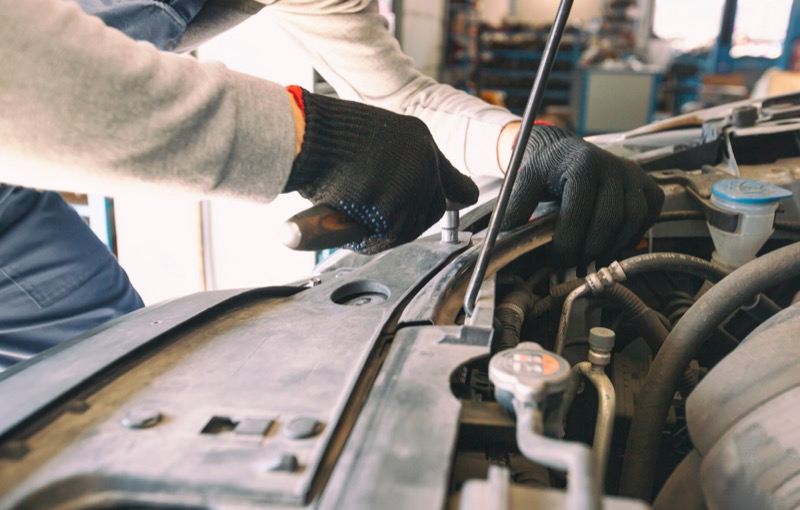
(759, 29)
(689, 24)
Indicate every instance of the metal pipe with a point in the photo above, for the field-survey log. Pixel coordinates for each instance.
(606, 406)
(528, 117)
(561, 337)
(583, 493)
(596, 283)
(620, 271)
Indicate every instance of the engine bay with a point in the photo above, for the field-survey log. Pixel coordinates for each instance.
(665, 377)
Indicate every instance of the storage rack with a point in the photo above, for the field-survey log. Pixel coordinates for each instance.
(460, 45)
(509, 58)
(619, 25)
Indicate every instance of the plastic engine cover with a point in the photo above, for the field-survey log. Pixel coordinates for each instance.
(743, 419)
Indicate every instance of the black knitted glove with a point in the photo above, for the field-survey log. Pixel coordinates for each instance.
(380, 168)
(607, 203)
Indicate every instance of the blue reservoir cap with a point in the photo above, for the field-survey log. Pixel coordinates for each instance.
(748, 191)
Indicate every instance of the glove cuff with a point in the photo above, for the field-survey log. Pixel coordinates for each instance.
(335, 131)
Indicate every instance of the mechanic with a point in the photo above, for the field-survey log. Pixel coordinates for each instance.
(102, 113)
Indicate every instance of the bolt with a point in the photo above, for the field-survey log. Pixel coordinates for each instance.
(141, 418)
(302, 428)
(76, 406)
(13, 449)
(450, 227)
(281, 462)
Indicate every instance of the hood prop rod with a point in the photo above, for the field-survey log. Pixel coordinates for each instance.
(528, 118)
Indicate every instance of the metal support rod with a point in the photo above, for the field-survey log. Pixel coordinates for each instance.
(528, 117)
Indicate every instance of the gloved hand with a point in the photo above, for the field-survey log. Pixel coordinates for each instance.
(380, 168)
(607, 203)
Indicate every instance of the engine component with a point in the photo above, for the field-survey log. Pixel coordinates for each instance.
(745, 428)
(601, 343)
(530, 375)
(498, 493)
(736, 290)
(756, 203)
(531, 381)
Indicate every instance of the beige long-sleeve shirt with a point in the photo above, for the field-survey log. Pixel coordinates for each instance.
(82, 106)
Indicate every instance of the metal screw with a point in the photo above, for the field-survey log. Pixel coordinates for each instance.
(141, 418)
(281, 462)
(76, 406)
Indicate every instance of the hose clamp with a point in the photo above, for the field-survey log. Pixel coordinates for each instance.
(605, 277)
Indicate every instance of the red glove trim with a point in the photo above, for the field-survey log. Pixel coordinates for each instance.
(543, 123)
(297, 93)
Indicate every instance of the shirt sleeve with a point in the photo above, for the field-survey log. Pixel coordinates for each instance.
(351, 47)
(86, 108)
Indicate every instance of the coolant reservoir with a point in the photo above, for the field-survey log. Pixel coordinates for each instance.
(756, 202)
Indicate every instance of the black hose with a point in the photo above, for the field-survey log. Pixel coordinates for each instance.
(561, 291)
(538, 277)
(653, 330)
(676, 304)
(644, 318)
(678, 262)
(542, 306)
(510, 315)
(557, 294)
(662, 261)
(652, 406)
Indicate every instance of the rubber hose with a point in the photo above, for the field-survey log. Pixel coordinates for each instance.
(562, 290)
(677, 262)
(542, 306)
(644, 318)
(557, 294)
(511, 314)
(738, 289)
(538, 277)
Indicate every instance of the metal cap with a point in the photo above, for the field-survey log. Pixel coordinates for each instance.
(529, 372)
(601, 339)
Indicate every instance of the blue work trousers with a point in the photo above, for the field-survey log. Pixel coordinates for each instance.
(57, 280)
